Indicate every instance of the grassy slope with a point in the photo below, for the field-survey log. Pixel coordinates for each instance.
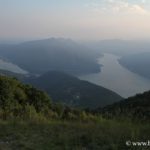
(67, 135)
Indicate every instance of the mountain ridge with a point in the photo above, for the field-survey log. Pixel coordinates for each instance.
(51, 54)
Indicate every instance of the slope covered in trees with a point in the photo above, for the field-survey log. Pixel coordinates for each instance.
(25, 102)
(17, 99)
(136, 108)
(70, 90)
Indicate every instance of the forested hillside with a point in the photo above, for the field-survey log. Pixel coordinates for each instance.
(72, 91)
(136, 108)
(22, 101)
(17, 99)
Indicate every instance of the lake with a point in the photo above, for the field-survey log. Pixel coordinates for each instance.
(115, 77)
(4, 65)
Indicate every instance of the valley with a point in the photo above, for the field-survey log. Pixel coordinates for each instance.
(74, 75)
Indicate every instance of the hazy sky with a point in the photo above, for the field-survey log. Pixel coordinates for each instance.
(76, 19)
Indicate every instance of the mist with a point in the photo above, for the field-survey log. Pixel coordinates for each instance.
(79, 20)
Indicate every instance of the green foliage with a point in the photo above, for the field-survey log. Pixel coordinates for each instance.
(133, 108)
(39, 99)
(24, 102)
(16, 97)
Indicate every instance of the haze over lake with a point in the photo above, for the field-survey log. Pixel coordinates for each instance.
(113, 76)
(117, 78)
(4, 65)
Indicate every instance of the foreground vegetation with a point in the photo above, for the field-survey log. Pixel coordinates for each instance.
(67, 135)
(30, 121)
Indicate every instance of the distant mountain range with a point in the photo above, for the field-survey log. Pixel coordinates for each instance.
(51, 54)
(119, 47)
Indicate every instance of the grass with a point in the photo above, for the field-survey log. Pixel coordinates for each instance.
(68, 135)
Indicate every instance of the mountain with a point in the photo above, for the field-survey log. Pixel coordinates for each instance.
(70, 90)
(136, 107)
(120, 47)
(51, 54)
(137, 63)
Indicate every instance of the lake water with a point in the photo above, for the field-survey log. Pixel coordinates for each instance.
(117, 78)
(4, 65)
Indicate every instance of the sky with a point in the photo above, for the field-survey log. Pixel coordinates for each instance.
(76, 19)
